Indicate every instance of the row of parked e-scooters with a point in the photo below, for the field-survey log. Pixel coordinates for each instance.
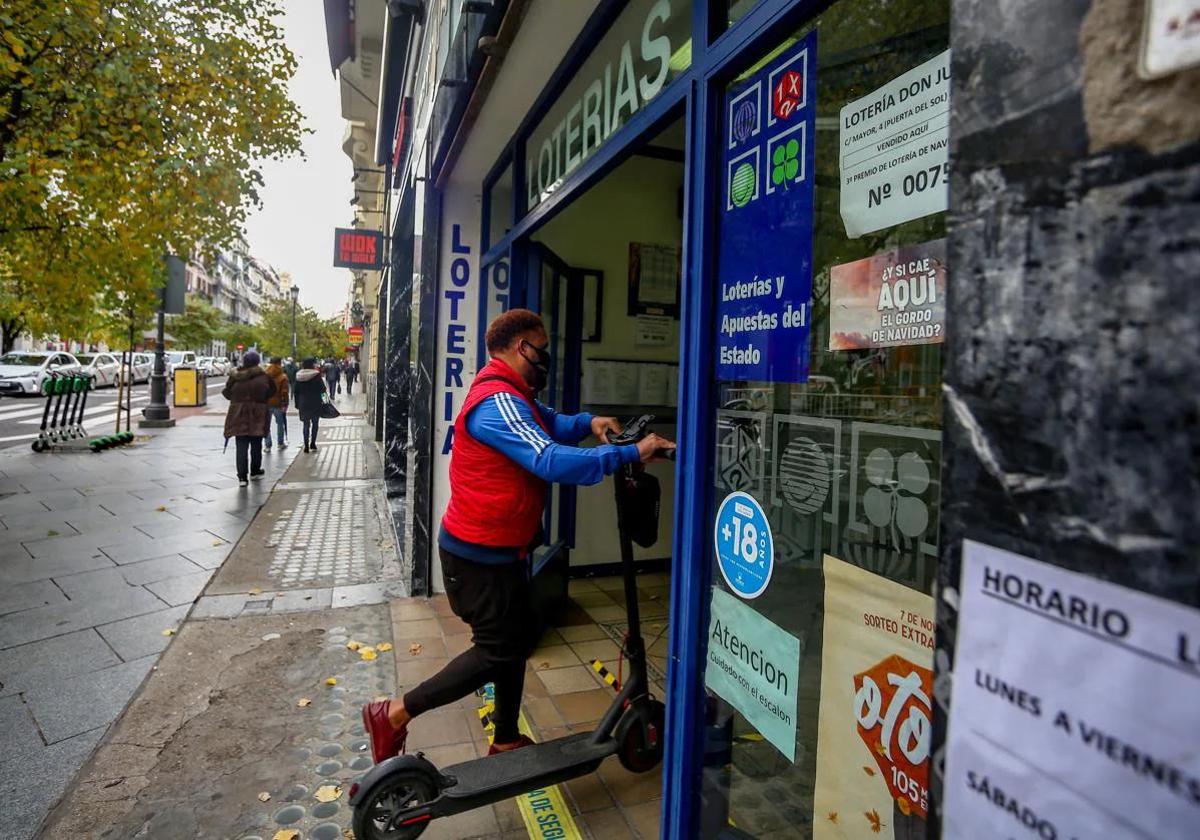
(62, 418)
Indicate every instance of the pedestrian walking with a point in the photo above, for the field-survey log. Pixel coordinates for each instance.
(333, 377)
(277, 405)
(351, 375)
(309, 394)
(290, 367)
(248, 389)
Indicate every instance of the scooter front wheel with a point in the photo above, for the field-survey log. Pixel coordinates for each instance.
(640, 735)
(376, 816)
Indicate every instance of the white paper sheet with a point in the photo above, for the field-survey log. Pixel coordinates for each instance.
(1075, 707)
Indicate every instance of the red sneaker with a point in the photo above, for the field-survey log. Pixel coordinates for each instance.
(517, 744)
(386, 740)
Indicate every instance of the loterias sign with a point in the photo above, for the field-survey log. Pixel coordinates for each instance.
(646, 46)
(362, 249)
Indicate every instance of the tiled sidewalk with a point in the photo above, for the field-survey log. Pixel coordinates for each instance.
(562, 695)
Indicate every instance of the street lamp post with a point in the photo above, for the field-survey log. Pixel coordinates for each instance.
(295, 297)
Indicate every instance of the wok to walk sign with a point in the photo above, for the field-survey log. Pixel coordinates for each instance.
(875, 726)
(361, 249)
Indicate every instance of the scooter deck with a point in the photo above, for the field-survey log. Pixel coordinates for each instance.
(507, 774)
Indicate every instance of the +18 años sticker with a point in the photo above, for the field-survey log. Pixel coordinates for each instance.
(745, 548)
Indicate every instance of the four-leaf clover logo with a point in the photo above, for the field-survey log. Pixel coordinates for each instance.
(785, 162)
(894, 499)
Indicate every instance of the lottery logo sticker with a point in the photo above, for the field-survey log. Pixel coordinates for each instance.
(745, 548)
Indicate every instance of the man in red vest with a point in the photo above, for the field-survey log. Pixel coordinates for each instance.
(508, 448)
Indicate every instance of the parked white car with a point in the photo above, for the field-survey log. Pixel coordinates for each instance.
(23, 373)
(175, 358)
(220, 366)
(210, 366)
(102, 366)
(140, 370)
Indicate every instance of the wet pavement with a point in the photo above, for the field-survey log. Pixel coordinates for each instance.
(100, 554)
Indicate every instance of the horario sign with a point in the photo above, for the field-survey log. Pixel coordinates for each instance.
(361, 249)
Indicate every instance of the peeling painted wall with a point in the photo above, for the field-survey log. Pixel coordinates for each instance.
(1073, 356)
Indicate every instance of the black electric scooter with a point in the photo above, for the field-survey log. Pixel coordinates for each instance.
(398, 798)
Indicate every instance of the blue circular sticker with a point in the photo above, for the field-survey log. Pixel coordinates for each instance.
(745, 548)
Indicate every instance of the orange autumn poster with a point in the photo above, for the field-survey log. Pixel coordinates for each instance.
(875, 725)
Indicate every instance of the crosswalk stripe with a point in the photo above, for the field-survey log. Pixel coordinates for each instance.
(88, 414)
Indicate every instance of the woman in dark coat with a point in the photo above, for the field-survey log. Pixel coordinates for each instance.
(248, 389)
(309, 392)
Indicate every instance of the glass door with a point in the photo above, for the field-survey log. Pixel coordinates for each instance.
(830, 289)
(556, 293)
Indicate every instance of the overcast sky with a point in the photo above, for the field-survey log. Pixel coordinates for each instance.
(306, 198)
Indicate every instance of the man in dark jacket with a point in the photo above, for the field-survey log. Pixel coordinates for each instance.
(351, 374)
(248, 389)
(310, 394)
(333, 377)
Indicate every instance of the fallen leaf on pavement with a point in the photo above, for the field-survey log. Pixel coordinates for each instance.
(286, 834)
(255, 591)
(542, 666)
(328, 793)
(414, 648)
(52, 533)
(347, 834)
(367, 653)
(217, 542)
(303, 701)
(168, 632)
(264, 797)
(353, 645)
(161, 508)
(331, 681)
(870, 771)
(383, 647)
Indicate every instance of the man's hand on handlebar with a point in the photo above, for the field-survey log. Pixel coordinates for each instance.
(603, 427)
(653, 448)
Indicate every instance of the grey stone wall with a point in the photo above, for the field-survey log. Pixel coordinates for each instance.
(1073, 354)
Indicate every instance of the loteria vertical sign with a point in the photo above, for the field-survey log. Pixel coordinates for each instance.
(361, 249)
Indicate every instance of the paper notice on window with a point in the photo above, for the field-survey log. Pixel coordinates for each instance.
(1074, 709)
(894, 150)
(652, 384)
(598, 382)
(876, 720)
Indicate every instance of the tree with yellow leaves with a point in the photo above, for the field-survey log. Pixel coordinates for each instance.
(129, 130)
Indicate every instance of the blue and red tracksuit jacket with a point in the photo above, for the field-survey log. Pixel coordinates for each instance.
(504, 457)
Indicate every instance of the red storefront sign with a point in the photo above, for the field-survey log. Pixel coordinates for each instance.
(356, 335)
(362, 249)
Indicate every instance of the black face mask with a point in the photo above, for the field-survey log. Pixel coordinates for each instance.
(541, 368)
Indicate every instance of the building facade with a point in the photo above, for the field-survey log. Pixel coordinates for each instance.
(908, 281)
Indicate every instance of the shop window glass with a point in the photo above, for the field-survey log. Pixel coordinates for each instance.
(735, 10)
(842, 463)
(500, 206)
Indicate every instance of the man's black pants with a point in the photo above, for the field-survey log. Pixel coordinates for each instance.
(495, 600)
(252, 446)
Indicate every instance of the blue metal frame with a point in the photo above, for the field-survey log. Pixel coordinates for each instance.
(716, 57)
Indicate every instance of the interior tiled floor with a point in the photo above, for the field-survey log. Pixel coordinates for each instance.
(563, 694)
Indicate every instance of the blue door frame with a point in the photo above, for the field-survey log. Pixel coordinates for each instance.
(717, 56)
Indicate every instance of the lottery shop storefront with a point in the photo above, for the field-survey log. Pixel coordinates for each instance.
(733, 214)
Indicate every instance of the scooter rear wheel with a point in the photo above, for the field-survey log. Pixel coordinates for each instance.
(374, 814)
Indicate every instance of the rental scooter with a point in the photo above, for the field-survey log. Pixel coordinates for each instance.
(398, 798)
